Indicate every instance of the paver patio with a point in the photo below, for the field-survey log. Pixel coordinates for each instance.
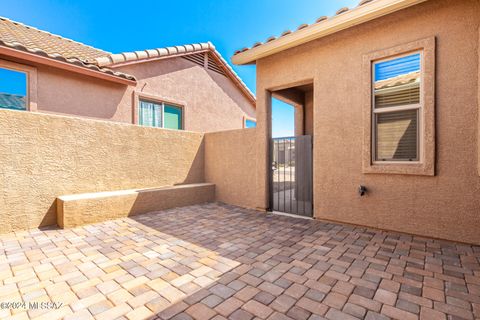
(218, 261)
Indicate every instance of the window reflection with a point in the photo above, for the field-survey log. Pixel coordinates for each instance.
(13, 89)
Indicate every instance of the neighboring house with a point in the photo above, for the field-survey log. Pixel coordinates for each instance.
(390, 93)
(187, 87)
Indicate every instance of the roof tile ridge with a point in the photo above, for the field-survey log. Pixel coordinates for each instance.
(52, 34)
(116, 58)
(59, 57)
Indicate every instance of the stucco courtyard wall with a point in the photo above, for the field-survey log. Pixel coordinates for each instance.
(230, 163)
(46, 156)
(446, 205)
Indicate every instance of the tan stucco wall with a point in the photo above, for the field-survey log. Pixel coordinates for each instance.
(212, 101)
(46, 156)
(77, 210)
(230, 161)
(64, 92)
(446, 205)
(309, 113)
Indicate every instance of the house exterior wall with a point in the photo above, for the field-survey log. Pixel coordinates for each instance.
(230, 161)
(47, 156)
(445, 205)
(62, 92)
(211, 101)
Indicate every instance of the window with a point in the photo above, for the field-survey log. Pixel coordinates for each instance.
(13, 89)
(250, 123)
(172, 116)
(397, 108)
(160, 114)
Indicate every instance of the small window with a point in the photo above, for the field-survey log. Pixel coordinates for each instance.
(13, 89)
(160, 115)
(250, 123)
(397, 109)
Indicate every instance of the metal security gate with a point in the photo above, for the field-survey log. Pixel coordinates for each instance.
(291, 175)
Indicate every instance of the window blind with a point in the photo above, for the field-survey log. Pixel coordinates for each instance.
(398, 96)
(397, 136)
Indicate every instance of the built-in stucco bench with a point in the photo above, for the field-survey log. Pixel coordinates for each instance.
(79, 209)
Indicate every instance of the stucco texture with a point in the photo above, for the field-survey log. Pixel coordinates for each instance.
(230, 162)
(77, 210)
(445, 205)
(46, 156)
(211, 101)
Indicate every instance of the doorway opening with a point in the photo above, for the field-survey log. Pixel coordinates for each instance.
(291, 175)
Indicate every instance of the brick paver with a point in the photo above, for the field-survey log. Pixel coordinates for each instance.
(216, 261)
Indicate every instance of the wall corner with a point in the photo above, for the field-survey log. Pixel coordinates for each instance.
(478, 103)
(263, 135)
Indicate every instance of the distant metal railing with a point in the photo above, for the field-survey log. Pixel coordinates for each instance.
(291, 175)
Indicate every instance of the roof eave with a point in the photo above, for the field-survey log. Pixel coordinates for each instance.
(64, 65)
(338, 23)
(224, 65)
(236, 79)
(130, 62)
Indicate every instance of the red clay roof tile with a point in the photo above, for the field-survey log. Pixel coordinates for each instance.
(25, 38)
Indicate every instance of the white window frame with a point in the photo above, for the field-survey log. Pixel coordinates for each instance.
(419, 107)
(157, 100)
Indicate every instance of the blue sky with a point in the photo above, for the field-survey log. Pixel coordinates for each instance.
(117, 26)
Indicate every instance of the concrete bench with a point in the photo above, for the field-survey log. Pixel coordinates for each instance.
(80, 209)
